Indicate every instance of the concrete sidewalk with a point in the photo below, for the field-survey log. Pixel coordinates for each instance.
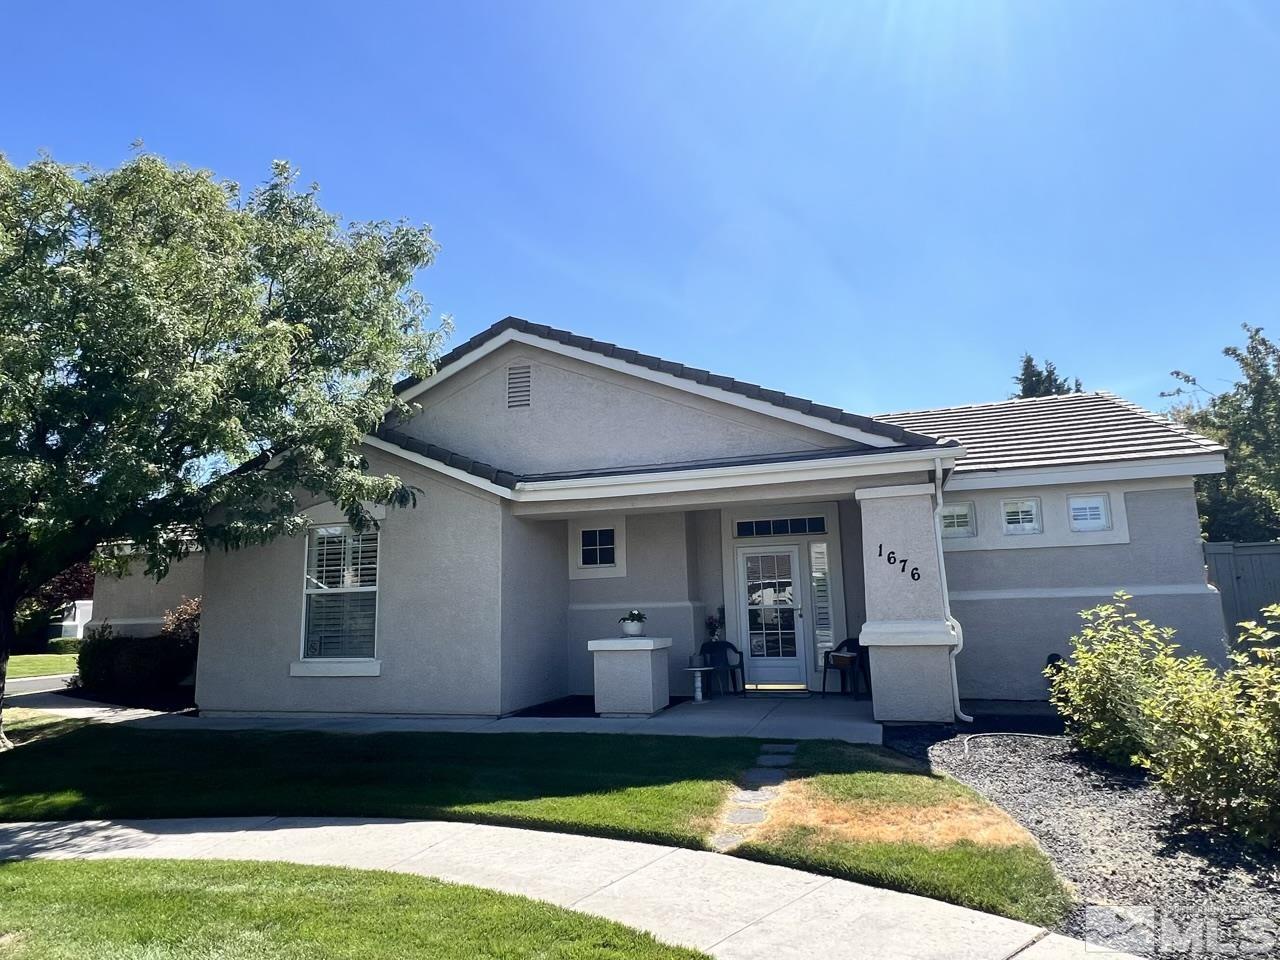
(731, 908)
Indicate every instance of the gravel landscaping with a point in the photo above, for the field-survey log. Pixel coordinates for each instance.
(1110, 833)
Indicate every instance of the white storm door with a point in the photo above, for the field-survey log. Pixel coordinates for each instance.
(772, 638)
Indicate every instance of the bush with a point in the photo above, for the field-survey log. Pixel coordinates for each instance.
(1210, 738)
(1100, 688)
(137, 669)
(65, 645)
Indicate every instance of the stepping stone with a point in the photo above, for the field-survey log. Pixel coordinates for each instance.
(761, 795)
(775, 760)
(720, 842)
(760, 777)
(745, 815)
(778, 748)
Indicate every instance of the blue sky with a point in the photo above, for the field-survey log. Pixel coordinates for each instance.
(879, 205)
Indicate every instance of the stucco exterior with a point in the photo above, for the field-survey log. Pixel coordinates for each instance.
(586, 417)
(485, 605)
(1021, 604)
(135, 604)
(439, 613)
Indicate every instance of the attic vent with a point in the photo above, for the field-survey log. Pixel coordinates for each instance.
(519, 385)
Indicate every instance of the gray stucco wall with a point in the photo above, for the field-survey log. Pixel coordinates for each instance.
(439, 615)
(135, 604)
(672, 559)
(1040, 592)
(586, 417)
(535, 598)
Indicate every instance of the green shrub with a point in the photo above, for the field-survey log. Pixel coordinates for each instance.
(1099, 689)
(1216, 743)
(135, 669)
(1211, 738)
(65, 645)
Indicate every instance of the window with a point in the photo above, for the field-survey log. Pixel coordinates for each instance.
(958, 520)
(780, 527)
(341, 588)
(598, 548)
(1089, 512)
(1021, 516)
(519, 385)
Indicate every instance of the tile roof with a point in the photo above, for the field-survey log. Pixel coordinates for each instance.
(694, 374)
(477, 468)
(1073, 428)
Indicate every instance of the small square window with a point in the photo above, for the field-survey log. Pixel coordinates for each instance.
(764, 528)
(817, 524)
(958, 520)
(597, 548)
(798, 525)
(1021, 516)
(746, 528)
(1089, 512)
(781, 526)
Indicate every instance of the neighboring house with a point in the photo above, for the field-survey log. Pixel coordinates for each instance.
(563, 481)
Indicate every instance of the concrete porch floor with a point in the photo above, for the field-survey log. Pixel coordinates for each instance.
(784, 718)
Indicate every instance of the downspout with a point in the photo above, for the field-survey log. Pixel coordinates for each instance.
(946, 593)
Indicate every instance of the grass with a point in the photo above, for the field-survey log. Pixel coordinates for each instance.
(882, 819)
(22, 725)
(169, 910)
(864, 814)
(41, 665)
(646, 788)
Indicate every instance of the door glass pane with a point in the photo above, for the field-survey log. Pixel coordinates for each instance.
(757, 644)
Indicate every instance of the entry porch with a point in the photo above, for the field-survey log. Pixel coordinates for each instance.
(785, 572)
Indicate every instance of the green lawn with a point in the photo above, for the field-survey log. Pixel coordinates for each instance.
(170, 910)
(862, 813)
(41, 665)
(646, 788)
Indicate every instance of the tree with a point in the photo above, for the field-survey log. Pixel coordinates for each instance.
(1033, 381)
(35, 610)
(180, 363)
(1242, 504)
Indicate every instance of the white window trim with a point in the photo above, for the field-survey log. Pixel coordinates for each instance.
(306, 666)
(1106, 512)
(618, 523)
(971, 530)
(1021, 531)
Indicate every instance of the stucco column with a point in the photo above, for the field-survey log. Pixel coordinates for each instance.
(907, 635)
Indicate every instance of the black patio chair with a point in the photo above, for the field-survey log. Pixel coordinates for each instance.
(849, 660)
(725, 659)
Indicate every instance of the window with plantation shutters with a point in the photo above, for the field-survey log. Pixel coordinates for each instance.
(519, 385)
(958, 520)
(341, 588)
(1089, 512)
(1021, 516)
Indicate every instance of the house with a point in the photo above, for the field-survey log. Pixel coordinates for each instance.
(563, 481)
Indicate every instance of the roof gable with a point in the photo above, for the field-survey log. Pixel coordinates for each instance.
(750, 396)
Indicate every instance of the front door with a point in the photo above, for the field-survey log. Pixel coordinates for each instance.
(773, 640)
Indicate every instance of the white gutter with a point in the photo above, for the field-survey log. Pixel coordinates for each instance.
(946, 593)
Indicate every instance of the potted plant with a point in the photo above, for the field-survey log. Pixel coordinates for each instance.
(633, 623)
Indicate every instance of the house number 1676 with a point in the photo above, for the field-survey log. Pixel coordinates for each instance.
(894, 560)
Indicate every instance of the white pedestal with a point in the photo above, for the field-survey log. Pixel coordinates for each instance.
(630, 675)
